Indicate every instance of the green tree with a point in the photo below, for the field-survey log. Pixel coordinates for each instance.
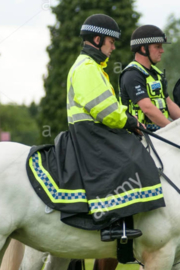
(171, 57)
(65, 47)
(18, 121)
(34, 110)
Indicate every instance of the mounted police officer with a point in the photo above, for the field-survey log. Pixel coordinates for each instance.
(143, 87)
(108, 156)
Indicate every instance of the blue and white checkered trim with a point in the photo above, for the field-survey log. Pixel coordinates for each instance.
(141, 41)
(138, 67)
(100, 30)
(56, 193)
(152, 127)
(121, 201)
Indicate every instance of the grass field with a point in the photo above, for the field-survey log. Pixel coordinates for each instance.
(89, 266)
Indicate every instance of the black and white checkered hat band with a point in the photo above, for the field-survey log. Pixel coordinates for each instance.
(100, 30)
(148, 40)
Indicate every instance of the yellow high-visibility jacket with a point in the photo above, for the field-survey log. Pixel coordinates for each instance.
(107, 155)
(91, 97)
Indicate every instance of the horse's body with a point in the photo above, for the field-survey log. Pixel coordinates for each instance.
(22, 214)
(36, 260)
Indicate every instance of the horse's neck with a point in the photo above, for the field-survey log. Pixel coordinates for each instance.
(168, 154)
(13, 158)
(171, 132)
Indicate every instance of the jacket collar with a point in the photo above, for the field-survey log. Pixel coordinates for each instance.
(96, 55)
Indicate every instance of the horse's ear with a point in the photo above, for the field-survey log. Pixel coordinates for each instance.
(176, 93)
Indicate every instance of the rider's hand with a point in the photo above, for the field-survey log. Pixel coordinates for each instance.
(139, 124)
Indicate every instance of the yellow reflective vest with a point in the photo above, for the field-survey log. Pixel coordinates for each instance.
(91, 97)
(155, 93)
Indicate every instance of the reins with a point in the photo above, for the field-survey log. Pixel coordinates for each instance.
(160, 170)
(158, 137)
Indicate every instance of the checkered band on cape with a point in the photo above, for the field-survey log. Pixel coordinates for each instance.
(95, 205)
(100, 30)
(138, 195)
(57, 194)
(148, 40)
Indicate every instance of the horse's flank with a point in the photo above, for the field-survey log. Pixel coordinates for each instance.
(158, 248)
(27, 221)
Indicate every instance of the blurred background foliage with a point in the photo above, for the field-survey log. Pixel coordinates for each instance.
(66, 45)
(21, 122)
(89, 263)
(171, 57)
(40, 123)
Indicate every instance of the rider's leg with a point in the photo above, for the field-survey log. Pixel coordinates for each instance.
(13, 256)
(4, 242)
(162, 259)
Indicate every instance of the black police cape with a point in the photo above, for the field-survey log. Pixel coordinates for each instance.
(114, 169)
(112, 163)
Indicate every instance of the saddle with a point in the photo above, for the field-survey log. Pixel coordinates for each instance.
(47, 173)
(45, 166)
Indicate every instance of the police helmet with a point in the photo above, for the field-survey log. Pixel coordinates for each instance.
(99, 25)
(145, 35)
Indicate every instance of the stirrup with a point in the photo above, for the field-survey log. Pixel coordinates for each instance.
(124, 238)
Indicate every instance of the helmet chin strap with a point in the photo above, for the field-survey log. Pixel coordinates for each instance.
(91, 40)
(151, 60)
(146, 47)
(100, 43)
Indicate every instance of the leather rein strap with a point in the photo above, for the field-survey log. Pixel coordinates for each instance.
(149, 142)
(158, 137)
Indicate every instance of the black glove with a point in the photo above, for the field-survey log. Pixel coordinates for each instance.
(164, 83)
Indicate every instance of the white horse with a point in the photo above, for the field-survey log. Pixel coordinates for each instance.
(22, 214)
(36, 260)
(21, 257)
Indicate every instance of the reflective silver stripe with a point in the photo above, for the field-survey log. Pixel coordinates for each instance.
(103, 79)
(68, 106)
(78, 64)
(71, 90)
(160, 103)
(81, 116)
(106, 112)
(97, 100)
(78, 117)
(70, 119)
(71, 98)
